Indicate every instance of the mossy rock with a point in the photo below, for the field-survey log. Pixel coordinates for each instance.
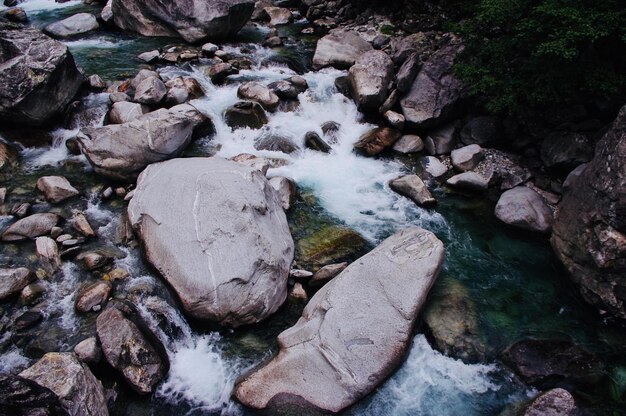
(332, 244)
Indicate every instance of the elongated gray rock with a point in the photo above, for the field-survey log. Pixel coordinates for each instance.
(467, 157)
(80, 393)
(339, 49)
(56, 188)
(193, 20)
(353, 333)
(369, 78)
(216, 231)
(72, 26)
(12, 281)
(30, 227)
(38, 76)
(413, 188)
(524, 208)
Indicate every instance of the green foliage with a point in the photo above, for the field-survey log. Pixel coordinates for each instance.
(544, 52)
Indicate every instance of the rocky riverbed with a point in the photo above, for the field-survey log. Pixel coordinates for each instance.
(293, 207)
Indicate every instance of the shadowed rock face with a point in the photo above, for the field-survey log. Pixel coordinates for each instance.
(589, 231)
(38, 76)
(23, 397)
(193, 20)
(216, 231)
(352, 334)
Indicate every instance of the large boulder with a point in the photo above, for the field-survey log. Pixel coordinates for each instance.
(79, 392)
(589, 235)
(23, 397)
(72, 26)
(339, 49)
(369, 78)
(524, 208)
(38, 76)
(122, 151)
(193, 20)
(12, 281)
(216, 231)
(30, 227)
(435, 93)
(260, 93)
(352, 334)
(563, 151)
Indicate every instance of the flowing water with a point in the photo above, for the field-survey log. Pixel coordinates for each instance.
(514, 281)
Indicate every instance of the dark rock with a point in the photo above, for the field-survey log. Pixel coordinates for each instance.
(15, 15)
(564, 151)
(441, 141)
(286, 190)
(276, 143)
(313, 141)
(331, 244)
(407, 73)
(245, 114)
(470, 181)
(220, 71)
(482, 130)
(23, 397)
(28, 319)
(376, 140)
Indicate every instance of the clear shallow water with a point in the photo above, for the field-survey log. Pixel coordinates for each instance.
(514, 280)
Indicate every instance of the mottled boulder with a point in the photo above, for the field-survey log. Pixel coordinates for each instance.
(30, 227)
(330, 245)
(564, 151)
(467, 157)
(72, 26)
(128, 350)
(413, 188)
(245, 114)
(369, 79)
(124, 111)
(92, 297)
(352, 334)
(470, 181)
(12, 281)
(339, 49)
(441, 141)
(56, 188)
(409, 143)
(524, 208)
(88, 350)
(23, 397)
(376, 140)
(193, 20)
(555, 402)
(589, 232)
(260, 93)
(234, 270)
(38, 76)
(79, 392)
(435, 93)
(151, 91)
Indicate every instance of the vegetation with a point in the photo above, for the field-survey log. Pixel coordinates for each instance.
(537, 53)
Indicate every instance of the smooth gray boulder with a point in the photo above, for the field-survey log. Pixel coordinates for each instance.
(524, 208)
(352, 334)
(193, 20)
(30, 227)
(151, 91)
(470, 181)
(216, 231)
(467, 157)
(433, 167)
(409, 143)
(38, 76)
(369, 79)
(122, 151)
(12, 281)
(72, 26)
(435, 93)
(124, 111)
(79, 392)
(339, 49)
(413, 188)
(260, 93)
(56, 188)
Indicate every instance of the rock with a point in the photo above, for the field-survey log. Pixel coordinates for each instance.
(441, 141)
(300, 274)
(30, 227)
(193, 20)
(124, 112)
(563, 151)
(89, 351)
(56, 188)
(31, 293)
(151, 91)
(106, 15)
(128, 350)
(524, 208)
(339, 49)
(20, 210)
(435, 93)
(482, 130)
(330, 129)
(72, 26)
(79, 392)
(93, 260)
(433, 167)
(96, 83)
(80, 224)
(23, 397)
(550, 363)
(149, 57)
(141, 76)
(176, 95)
(34, 100)
(289, 88)
(12, 281)
(376, 140)
(15, 15)
(245, 114)
(28, 319)
(276, 143)
(395, 120)
(407, 73)
(257, 163)
(369, 79)
(48, 254)
(117, 97)
(313, 141)
(236, 217)
(278, 15)
(298, 294)
(260, 93)
(286, 190)
(413, 188)
(8, 155)
(471, 181)
(218, 72)
(352, 334)
(326, 274)
(331, 244)
(589, 232)
(92, 297)
(573, 176)
(452, 322)
(467, 157)
(209, 49)
(409, 143)
(122, 151)
(555, 402)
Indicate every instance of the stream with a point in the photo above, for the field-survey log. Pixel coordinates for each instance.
(515, 282)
